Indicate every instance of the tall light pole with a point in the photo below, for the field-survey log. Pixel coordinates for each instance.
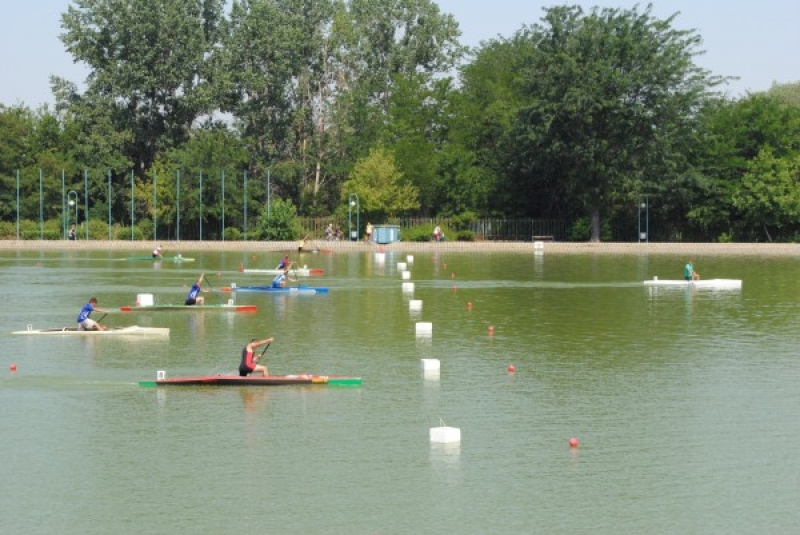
(353, 202)
(73, 201)
(645, 205)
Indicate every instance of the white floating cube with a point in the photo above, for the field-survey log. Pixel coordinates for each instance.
(415, 305)
(408, 287)
(431, 364)
(145, 300)
(445, 435)
(410, 258)
(424, 328)
(380, 258)
(402, 266)
(406, 275)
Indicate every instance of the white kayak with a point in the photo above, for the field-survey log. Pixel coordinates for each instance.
(121, 331)
(719, 284)
(304, 271)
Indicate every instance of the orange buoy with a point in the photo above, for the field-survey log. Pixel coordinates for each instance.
(454, 287)
(469, 305)
(13, 367)
(491, 329)
(512, 368)
(573, 442)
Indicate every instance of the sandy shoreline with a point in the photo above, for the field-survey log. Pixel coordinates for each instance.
(186, 247)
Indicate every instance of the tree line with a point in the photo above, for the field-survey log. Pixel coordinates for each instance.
(579, 116)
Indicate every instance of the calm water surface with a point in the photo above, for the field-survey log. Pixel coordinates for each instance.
(685, 402)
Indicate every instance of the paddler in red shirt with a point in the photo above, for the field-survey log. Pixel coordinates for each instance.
(249, 362)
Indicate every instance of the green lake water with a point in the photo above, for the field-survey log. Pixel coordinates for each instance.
(685, 402)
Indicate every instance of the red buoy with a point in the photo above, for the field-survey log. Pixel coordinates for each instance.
(512, 368)
(13, 367)
(573, 442)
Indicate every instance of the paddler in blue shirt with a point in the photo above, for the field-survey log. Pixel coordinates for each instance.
(280, 280)
(249, 362)
(194, 298)
(85, 323)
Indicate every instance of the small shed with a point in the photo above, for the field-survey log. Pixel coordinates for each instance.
(385, 233)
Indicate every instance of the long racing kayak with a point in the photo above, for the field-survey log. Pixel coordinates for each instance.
(298, 272)
(168, 308)
(121, 331)
(294, 290)
(177, 258)
(716, 284)
(235, 380)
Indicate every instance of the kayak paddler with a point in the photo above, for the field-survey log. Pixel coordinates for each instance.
(85, 323)
(249, 362)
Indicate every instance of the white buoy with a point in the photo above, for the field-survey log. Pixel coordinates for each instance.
(415, 305)
(230, 302)
(402, 266)
(380, 258)
(424, 329)
(406, 275)
(538, 245)
(145, 300)
(233, 285)
(655, 277)
(431, 364)
(445, 435)
(408, 287)
(410, 258)
(161, 375)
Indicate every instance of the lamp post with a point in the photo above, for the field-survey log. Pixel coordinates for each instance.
(353, 202)
(645, 205)
(73, 201)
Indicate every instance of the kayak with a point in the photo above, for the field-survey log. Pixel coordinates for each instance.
(121, 331)
(163, 308)
(299, 290)
(177, 258)
(298, 272)
(235, 380)
(718, 284)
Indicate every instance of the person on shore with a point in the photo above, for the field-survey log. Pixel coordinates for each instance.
(249, 362)
(689, 274)
(280, 280)
(437, 233)
(194, 297)
(72, 234)
(368, 232)
(157, 252)
(85, 323)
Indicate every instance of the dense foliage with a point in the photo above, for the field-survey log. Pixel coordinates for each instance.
(203, 118)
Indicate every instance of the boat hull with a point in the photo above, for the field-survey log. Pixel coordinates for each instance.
(294, 290)
(161, 259)
(133, 330)
(272, 380)
(298, 272)
(717, 284)
(170, 308)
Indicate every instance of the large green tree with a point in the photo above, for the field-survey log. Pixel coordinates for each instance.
(149, 61)
(611, 96)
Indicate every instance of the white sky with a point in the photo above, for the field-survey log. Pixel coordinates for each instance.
(755, 41)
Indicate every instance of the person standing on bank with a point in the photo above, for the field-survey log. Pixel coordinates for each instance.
(249, 362)
(85, 323)
(194, 297)
(72, 235)
(689, 274)
(368, 232)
